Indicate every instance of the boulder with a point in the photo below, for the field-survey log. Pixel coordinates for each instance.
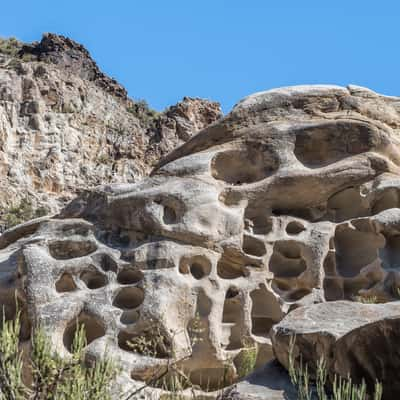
(355, 339)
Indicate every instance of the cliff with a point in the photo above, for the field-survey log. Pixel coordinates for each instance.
(65, 125)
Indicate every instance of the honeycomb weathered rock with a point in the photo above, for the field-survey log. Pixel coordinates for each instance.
(289, 200)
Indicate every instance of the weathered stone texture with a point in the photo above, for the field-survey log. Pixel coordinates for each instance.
(64, 126)
(290, 200)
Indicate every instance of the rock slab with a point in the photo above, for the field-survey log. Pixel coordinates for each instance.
(355, 339)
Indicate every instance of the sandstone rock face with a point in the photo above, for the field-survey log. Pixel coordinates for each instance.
(291, 199)
(357, 340)
(64, 125)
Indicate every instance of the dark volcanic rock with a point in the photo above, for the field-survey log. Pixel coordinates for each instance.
(68, 54)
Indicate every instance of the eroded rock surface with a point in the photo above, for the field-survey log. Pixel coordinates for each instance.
(65, 125)
(290, 200)
(355, 339)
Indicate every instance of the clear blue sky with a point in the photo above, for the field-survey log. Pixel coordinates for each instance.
(224, 50)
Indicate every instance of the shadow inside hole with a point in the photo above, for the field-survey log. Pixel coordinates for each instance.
(243, 166)
(259, 224)
(230, 267)
(93, 329)
(67, 249)
(265, 311)
(129, 276)
(212, 378)
(198, 266)
(232, 319)
(65, 283)
(129, 316)
(294, 228)
(105, 262)
(129, 297)
(169, 216)
(94, 279)
(286, 260)
(253, 246)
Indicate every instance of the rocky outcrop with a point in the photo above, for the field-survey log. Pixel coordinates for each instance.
(64, 126)
(354, 339)
(73, 58)
(290, 200)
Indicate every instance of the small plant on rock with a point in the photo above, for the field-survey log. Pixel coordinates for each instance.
(10, 46)
(52, 377)
(11, 362)
(22, 212)
(366, 299)
(342, 389)
(151, 343)
(141, 110)
(248, 358)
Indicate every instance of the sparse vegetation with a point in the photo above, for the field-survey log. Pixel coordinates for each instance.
(169, 377)
(172, 377)
(152, 343)
(117, 129)
(11, 364)
(10, 46)
(141, 110)
(248, 358)
(342, 389)
(51, 377)
(54, 378)
(20, 213)
(366, 299)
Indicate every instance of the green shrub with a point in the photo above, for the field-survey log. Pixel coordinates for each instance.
(53, 378)
(141, 110)
(366, 299)
(23, 212)
(10, 46)
(11, 364)
(342, 389)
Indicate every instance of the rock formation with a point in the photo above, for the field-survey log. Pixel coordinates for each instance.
(64, 125)
(354, 339)
(290, 200)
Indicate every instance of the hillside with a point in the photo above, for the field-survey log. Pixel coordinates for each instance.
(66, 126)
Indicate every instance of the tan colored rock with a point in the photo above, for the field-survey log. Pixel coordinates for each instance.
(258, 214)
(64, 126)
(355, 339)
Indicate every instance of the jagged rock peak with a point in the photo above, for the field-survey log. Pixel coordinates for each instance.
(64, 125)
(75, 58)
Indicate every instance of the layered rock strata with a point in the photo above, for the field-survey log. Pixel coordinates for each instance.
(65, 125)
